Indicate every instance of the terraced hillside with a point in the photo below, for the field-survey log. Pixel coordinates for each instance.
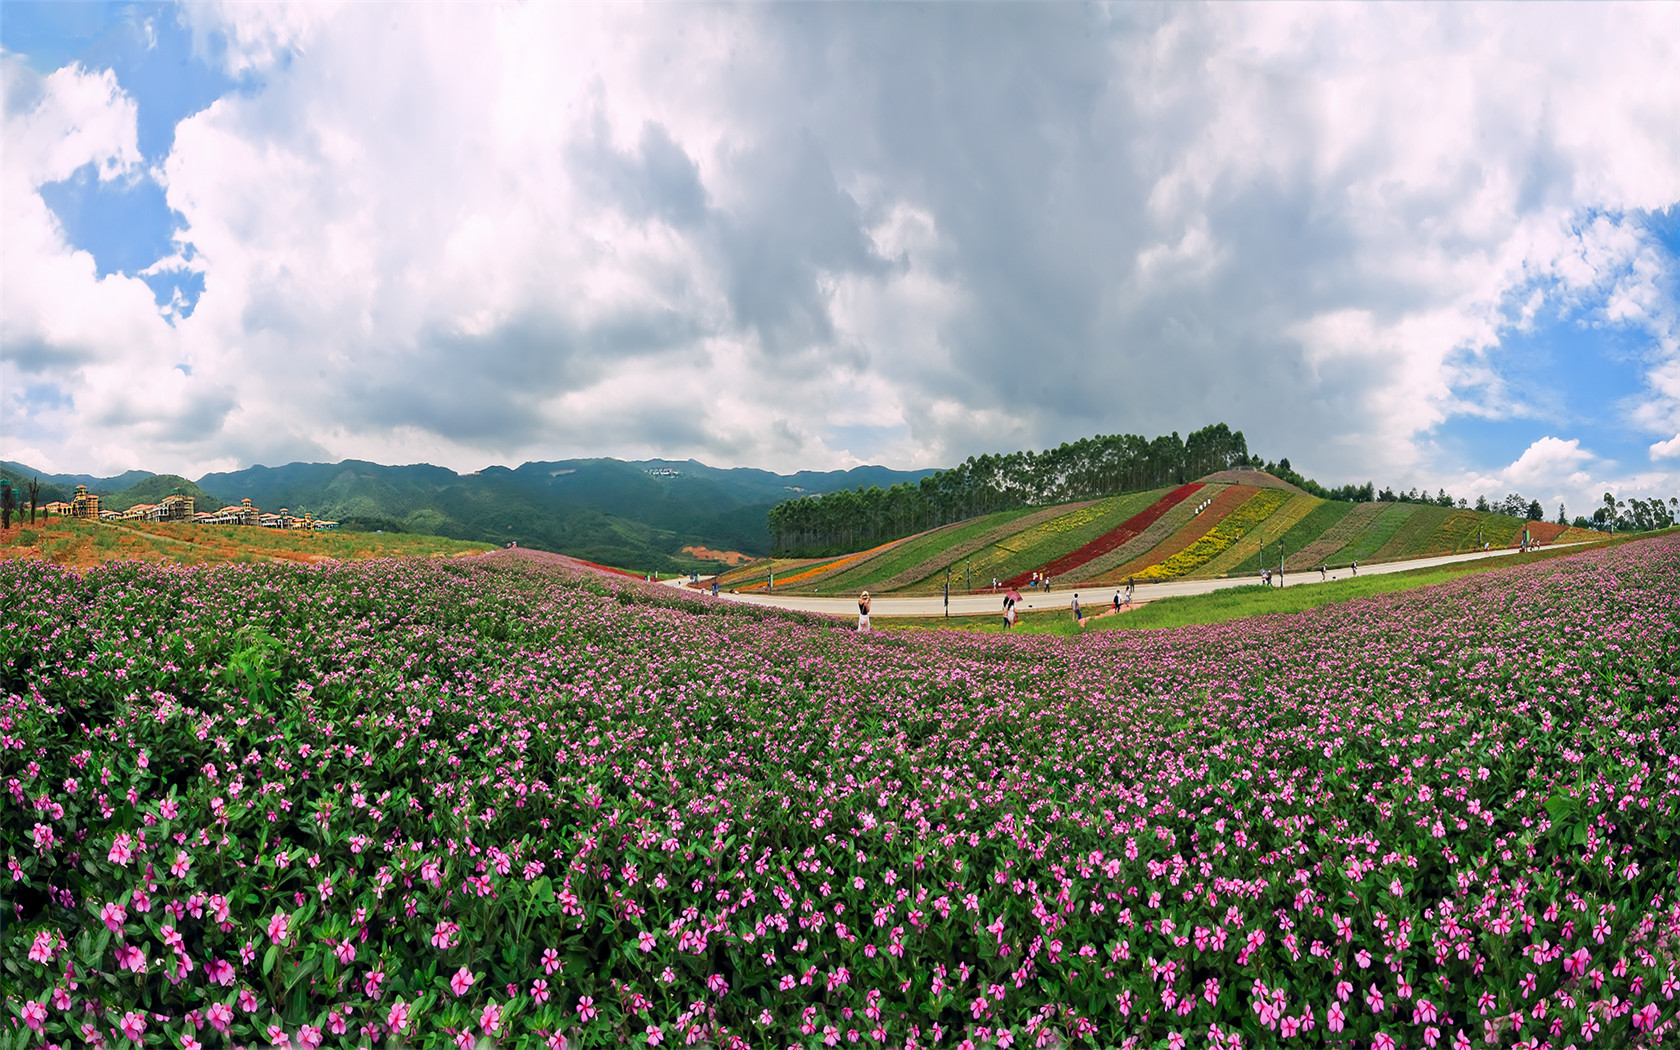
(1226, 524)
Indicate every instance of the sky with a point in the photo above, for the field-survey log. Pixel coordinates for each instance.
(1433, 246)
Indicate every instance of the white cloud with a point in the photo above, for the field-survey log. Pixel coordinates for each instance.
(800, 236)
(1554, 470)
(86, 361)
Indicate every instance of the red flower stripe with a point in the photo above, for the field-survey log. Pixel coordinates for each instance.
(1112, 539)
(609, 569)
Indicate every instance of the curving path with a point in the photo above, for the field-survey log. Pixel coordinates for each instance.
(1092, 598)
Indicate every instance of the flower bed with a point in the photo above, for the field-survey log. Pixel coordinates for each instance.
(1112, 539)
(1194, 527)
(1278, 525)
(1014, 522)
(1051, 539)
(443, 802)
(1228, 530)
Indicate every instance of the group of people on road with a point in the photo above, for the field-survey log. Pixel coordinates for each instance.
(1011, 599)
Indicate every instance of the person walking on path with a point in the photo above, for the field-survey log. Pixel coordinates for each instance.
(1130, 585)
(1356, 568)
(863, 611)
(1008, 609)
(1322, 570)
(1116, 599)
(1076, 617)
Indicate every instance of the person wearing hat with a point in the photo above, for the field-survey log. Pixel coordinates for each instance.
(863, 611)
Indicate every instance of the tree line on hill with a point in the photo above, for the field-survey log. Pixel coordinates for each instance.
(1089, 468)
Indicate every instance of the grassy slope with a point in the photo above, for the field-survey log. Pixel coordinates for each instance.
(906, 556)
(1371, 539)
(1321, 519)
(926, 570)
(1043, 543)
(1413, 538)
(1353, 524)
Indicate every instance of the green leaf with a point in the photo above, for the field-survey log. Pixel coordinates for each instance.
(300, 972)
(269, 957)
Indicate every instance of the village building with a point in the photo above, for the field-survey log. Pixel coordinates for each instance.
(85, 504)
(244, 514)
(173, 507)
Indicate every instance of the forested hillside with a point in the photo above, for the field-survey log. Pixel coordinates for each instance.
(1089, 468)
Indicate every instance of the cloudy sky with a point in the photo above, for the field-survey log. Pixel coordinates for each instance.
(1412, 244)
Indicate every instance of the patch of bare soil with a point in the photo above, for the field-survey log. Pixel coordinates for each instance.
(729, 558)
(1256, 478)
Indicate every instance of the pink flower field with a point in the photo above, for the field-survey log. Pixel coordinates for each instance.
(508, 802)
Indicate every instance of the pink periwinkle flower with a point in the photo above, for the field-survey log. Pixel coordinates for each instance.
(461, 982)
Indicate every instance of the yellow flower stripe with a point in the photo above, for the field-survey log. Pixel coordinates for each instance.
(1279, 523)
(1254, 510)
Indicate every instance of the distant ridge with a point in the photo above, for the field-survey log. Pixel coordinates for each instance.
(635, 514)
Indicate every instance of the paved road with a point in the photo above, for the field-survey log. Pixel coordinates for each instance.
(1093, 599)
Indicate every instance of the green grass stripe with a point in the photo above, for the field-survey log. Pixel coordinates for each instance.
(869, 574)
(1002, 525)
(1337, 536)
(1368, 542)
(1413, 538)
(1503, 531)
(1458, 532)
(1103, 570)
(1027, 549)
(1287, 517)
(1320, 519)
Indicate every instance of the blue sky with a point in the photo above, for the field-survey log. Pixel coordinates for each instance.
(126, 224)
(1421, 245)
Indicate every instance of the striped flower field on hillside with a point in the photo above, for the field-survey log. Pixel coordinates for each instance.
(440, 803)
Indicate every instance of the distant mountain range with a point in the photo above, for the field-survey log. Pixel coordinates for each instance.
(633, 514)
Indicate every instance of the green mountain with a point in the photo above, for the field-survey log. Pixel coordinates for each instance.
(156, 486)
(602, 509)
(64, 485)
(637, 514)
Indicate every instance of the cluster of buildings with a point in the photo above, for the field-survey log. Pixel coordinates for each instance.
(179, 507)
